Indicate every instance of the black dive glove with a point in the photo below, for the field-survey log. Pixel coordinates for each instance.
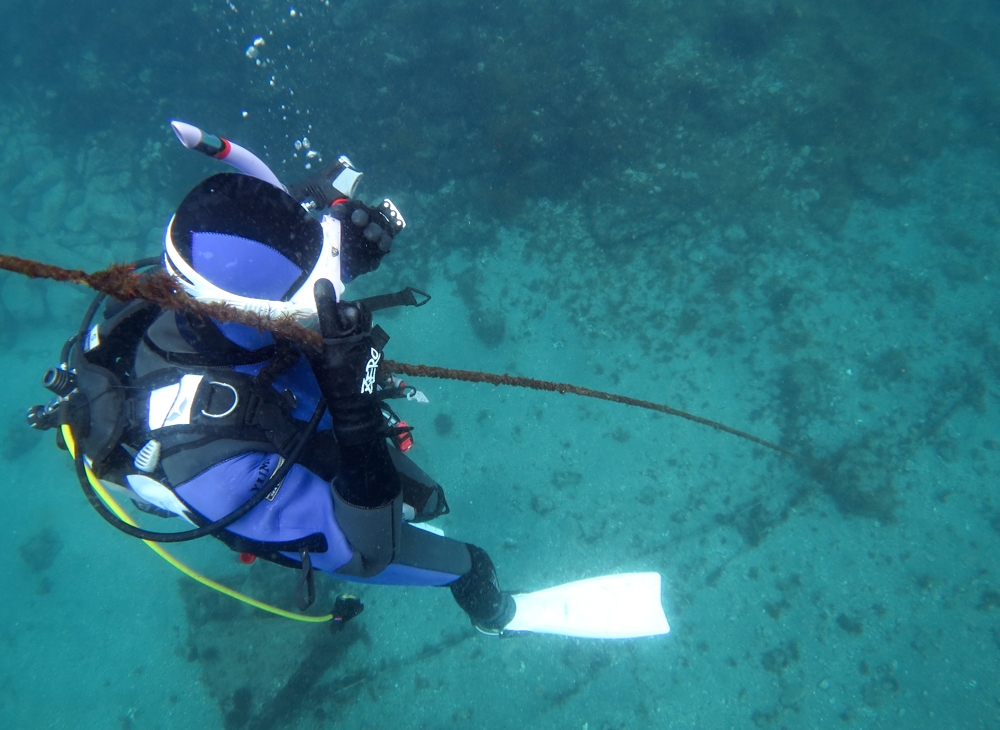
(366, 234)
(345, 370)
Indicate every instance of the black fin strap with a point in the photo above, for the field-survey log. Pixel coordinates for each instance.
(305, 589)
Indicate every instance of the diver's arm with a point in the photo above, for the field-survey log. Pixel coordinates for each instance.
(366, 477)
(367, 497)
(345, 372)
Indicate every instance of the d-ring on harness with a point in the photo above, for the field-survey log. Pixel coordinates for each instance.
(236, 401)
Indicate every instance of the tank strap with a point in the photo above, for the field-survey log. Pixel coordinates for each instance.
(286, 354)
(234, 356)
(404, 298)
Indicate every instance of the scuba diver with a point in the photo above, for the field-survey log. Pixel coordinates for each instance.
(280, 450)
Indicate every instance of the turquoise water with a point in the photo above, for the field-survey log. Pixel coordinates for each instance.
(780, 216)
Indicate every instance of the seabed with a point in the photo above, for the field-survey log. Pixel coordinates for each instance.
(782, 218)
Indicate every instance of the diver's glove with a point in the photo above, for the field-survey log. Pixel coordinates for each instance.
(345, 370)
(366, 234)
(346, 366)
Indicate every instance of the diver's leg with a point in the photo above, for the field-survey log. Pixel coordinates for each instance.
(478, 593)
(431, 560)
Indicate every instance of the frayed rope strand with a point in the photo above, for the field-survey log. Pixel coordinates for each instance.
(124, 284)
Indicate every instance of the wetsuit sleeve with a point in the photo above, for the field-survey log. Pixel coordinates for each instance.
(366, 476)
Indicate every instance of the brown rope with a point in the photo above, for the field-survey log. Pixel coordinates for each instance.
(471, 376)
(122, 283)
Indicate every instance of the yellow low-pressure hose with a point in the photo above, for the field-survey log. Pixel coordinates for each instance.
(113, 505)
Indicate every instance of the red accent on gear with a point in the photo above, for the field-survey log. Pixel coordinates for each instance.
(402, 438)
(247, 558)
(224, 152)
(338, 201)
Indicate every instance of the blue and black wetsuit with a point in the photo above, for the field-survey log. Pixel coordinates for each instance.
(223, 399)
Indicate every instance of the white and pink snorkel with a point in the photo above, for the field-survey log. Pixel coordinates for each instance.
(222, 149)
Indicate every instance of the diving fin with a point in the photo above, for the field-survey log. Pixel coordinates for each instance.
(624, 606)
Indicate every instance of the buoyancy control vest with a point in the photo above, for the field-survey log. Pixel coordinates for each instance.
(151, 418)
(149, 411)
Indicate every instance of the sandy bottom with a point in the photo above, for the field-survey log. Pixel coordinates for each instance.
(852, 590)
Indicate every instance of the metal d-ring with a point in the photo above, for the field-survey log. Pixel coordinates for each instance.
(236, 400)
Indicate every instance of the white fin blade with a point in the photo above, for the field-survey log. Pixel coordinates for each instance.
(624, 606)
